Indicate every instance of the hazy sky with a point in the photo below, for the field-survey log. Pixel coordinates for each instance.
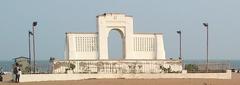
(55, 17)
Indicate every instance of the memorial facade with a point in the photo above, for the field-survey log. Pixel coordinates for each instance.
(82, 45)
(87, 52)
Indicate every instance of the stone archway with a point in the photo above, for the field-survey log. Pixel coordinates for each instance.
(120, 22)
(119, 45)
(94, 45)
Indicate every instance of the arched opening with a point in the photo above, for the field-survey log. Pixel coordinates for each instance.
(115, 45)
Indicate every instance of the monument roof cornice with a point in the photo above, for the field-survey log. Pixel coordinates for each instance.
(155, 33)
(81, 32)
(113, 13)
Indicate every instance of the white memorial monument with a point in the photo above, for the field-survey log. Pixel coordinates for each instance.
(87, 52)
(82, 46)
(86, 56)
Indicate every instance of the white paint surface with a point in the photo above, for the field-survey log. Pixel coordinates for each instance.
(84, 46)
(56, 77)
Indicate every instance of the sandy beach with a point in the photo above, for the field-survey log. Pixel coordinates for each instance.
(234, 81)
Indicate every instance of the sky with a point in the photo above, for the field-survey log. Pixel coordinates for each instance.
(55, 17)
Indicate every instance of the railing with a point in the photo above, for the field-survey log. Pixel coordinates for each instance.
(116, 67)
(212, 68)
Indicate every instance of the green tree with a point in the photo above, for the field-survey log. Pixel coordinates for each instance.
(191, 67)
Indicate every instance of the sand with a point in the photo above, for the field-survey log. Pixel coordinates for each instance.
(234, 81)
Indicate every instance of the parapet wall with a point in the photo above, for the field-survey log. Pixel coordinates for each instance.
(57, 77)
(117, 66)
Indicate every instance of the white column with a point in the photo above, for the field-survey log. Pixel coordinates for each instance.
(102, 38)
(128, 38)
(160, 47)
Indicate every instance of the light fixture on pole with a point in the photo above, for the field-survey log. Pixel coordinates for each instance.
(206, 25)
(34, 24)
(180, 44)
(29, 49)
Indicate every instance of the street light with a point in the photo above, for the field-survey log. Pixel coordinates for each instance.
(180, 44)
(34, 24)
(206, 25)
(180, 47)
(29, 48)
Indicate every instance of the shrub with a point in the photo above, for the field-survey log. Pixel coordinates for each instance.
(191, 67)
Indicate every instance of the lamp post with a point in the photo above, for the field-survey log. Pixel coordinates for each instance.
(34, 24)
(180, 47)
(206, 25)
(180, 44)
(29, 49)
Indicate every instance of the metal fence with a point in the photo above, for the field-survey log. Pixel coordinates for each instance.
(212, 68)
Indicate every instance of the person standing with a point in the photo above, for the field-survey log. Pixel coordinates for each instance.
(18, 75)
(15, 71)
(1, 73)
